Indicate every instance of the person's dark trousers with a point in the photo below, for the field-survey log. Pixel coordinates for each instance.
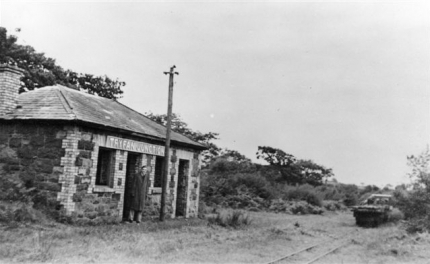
(135, 216)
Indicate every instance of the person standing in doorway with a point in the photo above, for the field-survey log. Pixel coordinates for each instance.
(139, 191)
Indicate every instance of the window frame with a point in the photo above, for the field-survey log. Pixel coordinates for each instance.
(105, 155)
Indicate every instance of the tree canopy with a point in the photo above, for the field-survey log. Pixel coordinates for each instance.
(274, 156)
(313, 173)
(293, 170)
(43, 71)
(234, 155)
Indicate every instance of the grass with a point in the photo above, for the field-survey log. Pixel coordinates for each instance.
(234, 219)
(267, 237)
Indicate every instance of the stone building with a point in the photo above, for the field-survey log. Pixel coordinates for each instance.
(80, 151)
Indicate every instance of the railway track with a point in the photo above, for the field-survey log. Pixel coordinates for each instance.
(322, 246)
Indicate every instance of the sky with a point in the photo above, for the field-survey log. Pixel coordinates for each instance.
(344, 84)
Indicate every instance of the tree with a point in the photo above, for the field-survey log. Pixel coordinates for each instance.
(387, 188)
(275, 157)
(231, 161)
(281, 162)
(369, 189)
(401, 187)
(313, 173)
(294, 171)
(42, 71)
(179, 126)
(234, 155)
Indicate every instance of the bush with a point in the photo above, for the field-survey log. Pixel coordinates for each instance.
(251, 190)
(418, 225)
(350, 199)
(234, 219)
(333, 193)
(334, 206)
(255, 183)
(244, 186)
(302, 207)
(416, 208)
(12, 188)
(313, 199)
(415, 204)
(280, 205)
(237, 190)
(20, 203)
(294, 207)
(205, 209)
(304, 192)
(395, 215)
(11, 213)
(223, 165)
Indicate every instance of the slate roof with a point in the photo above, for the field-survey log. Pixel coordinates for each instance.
(62, 103)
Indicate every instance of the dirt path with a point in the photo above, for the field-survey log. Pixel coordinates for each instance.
(269, 237)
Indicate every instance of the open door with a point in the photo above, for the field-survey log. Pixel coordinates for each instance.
(132, 169)
(181, 192)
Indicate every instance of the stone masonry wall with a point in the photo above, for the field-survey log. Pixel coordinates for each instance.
(194, 186)
(31, 154)
(87, 203)
(192, 178)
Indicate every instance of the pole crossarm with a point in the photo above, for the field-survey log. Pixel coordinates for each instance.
(172, 71)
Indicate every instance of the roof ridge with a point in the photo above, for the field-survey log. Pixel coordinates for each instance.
(64, 101)
(78, 91)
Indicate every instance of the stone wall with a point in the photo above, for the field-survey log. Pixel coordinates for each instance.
(194, 187)
(31, 153)
(192, 181)
(87, 203)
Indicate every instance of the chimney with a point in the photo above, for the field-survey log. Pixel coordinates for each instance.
(9, 87)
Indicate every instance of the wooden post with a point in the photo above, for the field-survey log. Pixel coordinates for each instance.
(167, 148)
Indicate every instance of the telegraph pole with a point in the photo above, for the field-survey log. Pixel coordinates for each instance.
(167, 148)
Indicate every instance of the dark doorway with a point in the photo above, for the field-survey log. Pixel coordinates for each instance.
(181, 192)
(132, 169)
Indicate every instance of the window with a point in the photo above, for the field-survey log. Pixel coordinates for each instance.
(158, 172)
(105, 167)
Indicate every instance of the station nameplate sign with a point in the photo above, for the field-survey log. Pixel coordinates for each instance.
(134, 146)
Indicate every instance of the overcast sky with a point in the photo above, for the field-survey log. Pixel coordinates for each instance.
(343, 84)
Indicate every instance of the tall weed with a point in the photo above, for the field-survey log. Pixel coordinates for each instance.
(234, 219)
(42, 247)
